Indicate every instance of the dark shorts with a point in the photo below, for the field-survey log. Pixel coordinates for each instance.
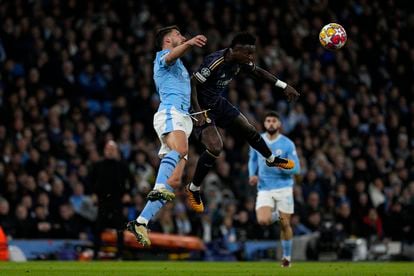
(222, 113)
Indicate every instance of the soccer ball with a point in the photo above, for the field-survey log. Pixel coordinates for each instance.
(332, 36)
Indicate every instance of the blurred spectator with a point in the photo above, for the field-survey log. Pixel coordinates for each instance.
(6, 219)
(298, 228)
(109, 178)
(373, 228)
(23, 224)
(182, 221)
(69, 225)
(42, 223)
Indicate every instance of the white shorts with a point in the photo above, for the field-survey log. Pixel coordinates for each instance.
(168, 120)
(278, 199)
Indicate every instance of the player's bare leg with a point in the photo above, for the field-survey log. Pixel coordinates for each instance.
(286, 235)
(264, 215)
(211, 139)
(178, 141)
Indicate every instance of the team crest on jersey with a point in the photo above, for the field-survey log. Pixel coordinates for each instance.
(278, 152)
(205, 72)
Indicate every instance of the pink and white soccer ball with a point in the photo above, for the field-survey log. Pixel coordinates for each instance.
(333, 36)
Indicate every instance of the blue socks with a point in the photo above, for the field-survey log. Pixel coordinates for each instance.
(287, 248)
(167, 166)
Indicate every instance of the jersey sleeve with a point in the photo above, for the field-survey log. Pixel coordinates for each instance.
(253, 164)
(210, 63)
(161, 57)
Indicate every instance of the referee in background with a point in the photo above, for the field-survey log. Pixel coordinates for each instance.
(110, 180)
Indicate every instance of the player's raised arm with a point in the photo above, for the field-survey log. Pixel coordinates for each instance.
(179, 51)
(288, 90)
(174, 44)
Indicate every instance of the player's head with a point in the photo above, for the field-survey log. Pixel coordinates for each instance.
(169, 37)
(272, 122)
(243, 47)
(111, 150)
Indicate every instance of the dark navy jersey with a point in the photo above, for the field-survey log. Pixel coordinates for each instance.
(214, 77)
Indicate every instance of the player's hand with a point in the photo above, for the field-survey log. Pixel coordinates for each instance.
(253, 180)
(291, 93)
(198, 40)
(200, 119)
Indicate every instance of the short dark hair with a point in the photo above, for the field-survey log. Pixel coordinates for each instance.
(243, 39)
(272, 114)
(161, 33)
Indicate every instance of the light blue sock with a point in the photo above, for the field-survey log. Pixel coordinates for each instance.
(167, 166)
(287, 248)
(150, 210)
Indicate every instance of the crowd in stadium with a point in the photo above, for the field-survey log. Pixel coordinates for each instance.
(75, 74)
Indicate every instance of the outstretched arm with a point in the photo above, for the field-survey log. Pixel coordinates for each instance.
(288, 90)
(179, 51)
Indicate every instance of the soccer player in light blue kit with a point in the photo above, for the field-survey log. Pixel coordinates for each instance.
(171, 122)
(275, 186)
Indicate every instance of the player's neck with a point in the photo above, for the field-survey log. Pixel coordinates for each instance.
(272, 136)
(227, 55)
(167, 47)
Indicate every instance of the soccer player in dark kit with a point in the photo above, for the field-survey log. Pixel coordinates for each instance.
(209, 83)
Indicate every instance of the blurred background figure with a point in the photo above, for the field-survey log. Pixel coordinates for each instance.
(110, 181)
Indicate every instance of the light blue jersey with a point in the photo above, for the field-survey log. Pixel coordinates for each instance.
(172, 83)
(271, 177)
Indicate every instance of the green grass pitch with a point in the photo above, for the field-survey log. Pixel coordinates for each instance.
(48, 268)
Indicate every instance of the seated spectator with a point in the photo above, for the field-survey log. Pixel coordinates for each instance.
(42, 224)
(23, 223)
(69, 225)
(6, 219)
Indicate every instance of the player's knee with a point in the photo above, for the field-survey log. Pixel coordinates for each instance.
(182, 150)
(215, 149)
(265, 221)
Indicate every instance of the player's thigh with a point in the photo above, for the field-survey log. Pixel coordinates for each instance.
(177, 140)
(241, 125)
(264, 207)
(173, 129)
(264, 215)
(211, 139)
(284, 200)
